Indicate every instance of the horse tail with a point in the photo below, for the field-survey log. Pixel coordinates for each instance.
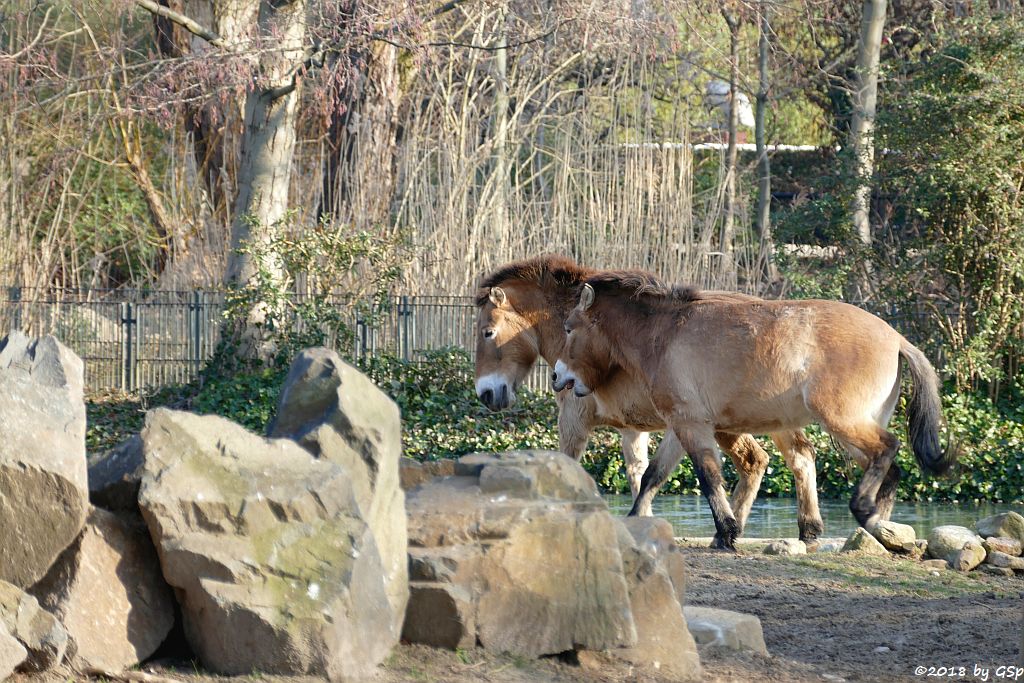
(924, 415)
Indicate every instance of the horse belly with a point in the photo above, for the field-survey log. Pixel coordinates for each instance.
(764, 415)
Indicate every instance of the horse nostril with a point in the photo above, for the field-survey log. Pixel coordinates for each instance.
(487, 397)
(554, 376)
(504, 395)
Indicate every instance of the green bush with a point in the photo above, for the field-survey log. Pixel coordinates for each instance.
(442, 418)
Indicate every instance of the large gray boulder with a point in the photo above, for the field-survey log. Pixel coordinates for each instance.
(108, 592)
(1008, 524)
(518, 553)
(275, 567)
(43, 490)
(337, 414)
(944, 542)
(38, 631)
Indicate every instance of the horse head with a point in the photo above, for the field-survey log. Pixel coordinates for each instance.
(506, 348)
(586, 360)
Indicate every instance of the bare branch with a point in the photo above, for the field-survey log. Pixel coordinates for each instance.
(187, 23)
(34, 41)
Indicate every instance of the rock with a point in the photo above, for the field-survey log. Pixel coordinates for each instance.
(945, 541)
(336, 413)
(786, 546)
(968, 557)
(719, 628)
(1010, 546)
(664, 641)
(1009, 524)
(999, 559)
(275, 568)
(525, 538)
(43, 490)
(829, 547)
(12, 654)
(114, 477)
(895, 536)
(36, 629)
(655, 535)
(935, 564)
(413, 473)
(108, 592)
(860, 541)
(997, 571)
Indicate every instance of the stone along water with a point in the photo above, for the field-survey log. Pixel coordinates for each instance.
(776, 517)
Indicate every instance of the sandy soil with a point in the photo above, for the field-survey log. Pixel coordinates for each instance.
(826, 617)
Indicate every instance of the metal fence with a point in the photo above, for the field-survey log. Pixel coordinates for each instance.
(139, 339)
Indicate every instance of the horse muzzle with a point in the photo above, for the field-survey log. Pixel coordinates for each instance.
(563, 378)
(495, 394)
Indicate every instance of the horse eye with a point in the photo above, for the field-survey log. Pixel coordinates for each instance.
(489, 333)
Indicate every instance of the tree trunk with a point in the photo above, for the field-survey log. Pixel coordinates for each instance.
(862, 124)
(766, 256)
(729, 219)
(268, 139)
(214, 134)
(359, 167)
(501, 163)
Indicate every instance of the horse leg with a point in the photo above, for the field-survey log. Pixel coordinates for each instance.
(751, 462)
(798, 453)
(877, 449)
(699, 444)
(668, 455)
(887, 492)
(575, 422)
(634, 455)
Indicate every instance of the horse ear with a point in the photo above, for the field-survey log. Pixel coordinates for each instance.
(497, 296)
(586, 297)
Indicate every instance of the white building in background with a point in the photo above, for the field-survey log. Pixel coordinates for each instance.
(716, 100)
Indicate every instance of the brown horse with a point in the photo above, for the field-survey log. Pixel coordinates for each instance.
(522, 309)
(757, 366)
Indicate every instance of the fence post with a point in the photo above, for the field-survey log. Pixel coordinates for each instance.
(14, 294)
(127, 347)
(195, 332)
(403, 314)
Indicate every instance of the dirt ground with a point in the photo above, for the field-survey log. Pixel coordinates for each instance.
(826, 617)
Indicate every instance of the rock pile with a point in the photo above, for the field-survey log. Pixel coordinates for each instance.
(519, 553)
(290, 553)
(994, 545)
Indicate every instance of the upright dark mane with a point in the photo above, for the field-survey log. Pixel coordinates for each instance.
(562, 270)
(635, 284)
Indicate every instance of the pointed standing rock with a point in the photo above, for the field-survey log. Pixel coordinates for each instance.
(43, 489)
(337, 414)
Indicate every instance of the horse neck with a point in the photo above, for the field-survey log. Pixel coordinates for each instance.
(621, 325)
(546, 310)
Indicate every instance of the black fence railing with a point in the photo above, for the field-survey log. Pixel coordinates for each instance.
(138, 339)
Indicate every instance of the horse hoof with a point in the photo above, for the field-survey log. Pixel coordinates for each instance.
(723, 543)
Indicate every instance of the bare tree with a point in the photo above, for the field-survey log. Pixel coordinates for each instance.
(862, 124)
(732, 20)
(764, 176)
